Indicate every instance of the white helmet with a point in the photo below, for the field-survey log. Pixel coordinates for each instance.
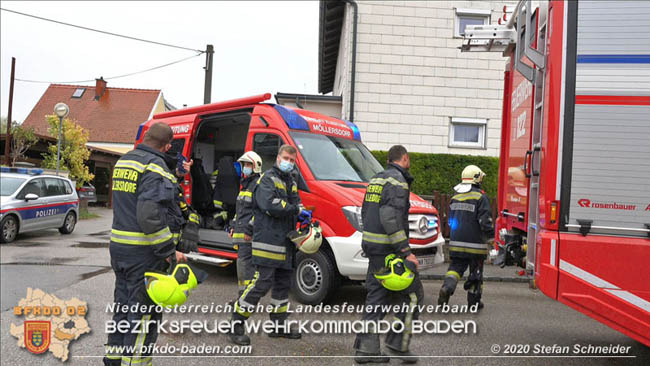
(253, 158)
(309, 239)
(472, 174)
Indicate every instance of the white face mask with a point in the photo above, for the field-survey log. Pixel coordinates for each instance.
(247, 171)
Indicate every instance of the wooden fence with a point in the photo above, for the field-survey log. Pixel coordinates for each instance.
(441, 203)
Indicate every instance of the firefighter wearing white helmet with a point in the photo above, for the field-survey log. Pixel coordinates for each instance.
(470, 222)
(242, 223)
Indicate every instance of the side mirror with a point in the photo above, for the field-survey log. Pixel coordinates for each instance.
(31, 196)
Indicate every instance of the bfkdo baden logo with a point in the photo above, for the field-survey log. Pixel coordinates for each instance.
(50, 324)
(37, 335)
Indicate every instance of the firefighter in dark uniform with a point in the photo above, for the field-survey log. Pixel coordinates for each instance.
(276, 208)
(470, 221)
(242, 224)
(144, 206)
(386, 231)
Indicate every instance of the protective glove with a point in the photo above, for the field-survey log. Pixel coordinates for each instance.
(304, 217)
(179, 163)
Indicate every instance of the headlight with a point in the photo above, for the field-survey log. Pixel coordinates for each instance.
(353, 214)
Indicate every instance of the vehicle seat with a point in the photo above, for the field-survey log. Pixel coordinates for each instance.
(227, 185)
(201, 189)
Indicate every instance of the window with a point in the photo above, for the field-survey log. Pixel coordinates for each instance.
(68, 188)
(78, 92)
(34, 186)
(54, 187)
(266, 145)
(465, 17)
(467, 133)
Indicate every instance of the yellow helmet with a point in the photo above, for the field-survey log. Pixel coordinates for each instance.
(170, 289)
(395, 276)
(253, 158)
(472, 174)
(309, 239)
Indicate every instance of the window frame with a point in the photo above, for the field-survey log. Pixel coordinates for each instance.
(83, 91)
(23, 191)
(482, 123)
(59, 183)
(469, 13)
(265, 162)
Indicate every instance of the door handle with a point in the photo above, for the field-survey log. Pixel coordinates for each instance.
(536, 149)
(528, 153)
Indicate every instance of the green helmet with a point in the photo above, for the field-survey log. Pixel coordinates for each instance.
(170, 289)
(396, 276)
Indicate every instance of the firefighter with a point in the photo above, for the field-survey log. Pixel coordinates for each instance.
(385, 238)
(242, 224)
(276, 208)
(180, 166)
(144, 206)
(470, 221)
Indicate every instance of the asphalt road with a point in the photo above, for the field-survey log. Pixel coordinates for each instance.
(77, 265)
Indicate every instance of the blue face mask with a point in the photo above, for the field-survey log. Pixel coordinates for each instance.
(247, 171)
(285, 166)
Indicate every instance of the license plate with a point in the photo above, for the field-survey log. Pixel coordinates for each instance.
(427, 261)
(91, 193)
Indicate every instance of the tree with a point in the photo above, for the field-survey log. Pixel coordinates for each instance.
(74, 152)
(22, 138)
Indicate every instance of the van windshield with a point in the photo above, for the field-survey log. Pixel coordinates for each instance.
(334, 158)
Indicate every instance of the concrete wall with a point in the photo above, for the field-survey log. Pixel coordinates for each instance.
(412, 79)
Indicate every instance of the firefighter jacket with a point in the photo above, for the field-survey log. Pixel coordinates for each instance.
(470, 221)
(145, 203)
(276, 204)
(243, 221)
(385, 213)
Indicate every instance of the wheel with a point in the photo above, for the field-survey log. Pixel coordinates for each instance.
(9, 229)
(69, 223)
(315, 277)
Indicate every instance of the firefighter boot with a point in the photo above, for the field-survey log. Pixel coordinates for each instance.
(283, 330)
(405, 357)
(443, 296)
(238, 334)
(474, 294)
(367, 349)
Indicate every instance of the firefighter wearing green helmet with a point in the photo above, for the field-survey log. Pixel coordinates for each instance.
(392, 268)
(471, 226)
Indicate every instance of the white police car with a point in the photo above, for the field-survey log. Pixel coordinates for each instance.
(32, 201)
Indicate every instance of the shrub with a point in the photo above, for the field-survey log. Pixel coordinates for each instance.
(441, 172)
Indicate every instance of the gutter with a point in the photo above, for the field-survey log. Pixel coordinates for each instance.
(354, 56)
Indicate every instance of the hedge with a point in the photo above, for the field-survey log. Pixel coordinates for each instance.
(441, 172)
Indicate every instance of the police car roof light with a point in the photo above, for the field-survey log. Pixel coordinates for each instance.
(6, 169)
(292, 119)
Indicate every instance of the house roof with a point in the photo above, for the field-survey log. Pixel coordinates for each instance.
(329, 38)
(115, 117)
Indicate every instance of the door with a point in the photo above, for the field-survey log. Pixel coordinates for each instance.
(31, 216)
(535, 151)
(55, 198)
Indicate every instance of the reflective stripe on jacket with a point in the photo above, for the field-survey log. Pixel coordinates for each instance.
(145, 201)
(243, 221)
(385, 213)
(470, 221)
(275, 209)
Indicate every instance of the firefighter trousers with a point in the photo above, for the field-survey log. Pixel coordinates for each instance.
(265, 278)
(474, 283)
(378, 298)
(245, 267)
(132, 347)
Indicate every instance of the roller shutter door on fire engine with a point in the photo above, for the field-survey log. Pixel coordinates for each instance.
(610, 175)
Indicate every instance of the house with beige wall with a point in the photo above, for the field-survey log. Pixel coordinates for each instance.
(407, 81)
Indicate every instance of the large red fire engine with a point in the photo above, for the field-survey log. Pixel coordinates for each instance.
(574, 186)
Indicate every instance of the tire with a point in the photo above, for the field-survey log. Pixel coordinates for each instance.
(9, 227)
(69, 223)
(315, 278)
